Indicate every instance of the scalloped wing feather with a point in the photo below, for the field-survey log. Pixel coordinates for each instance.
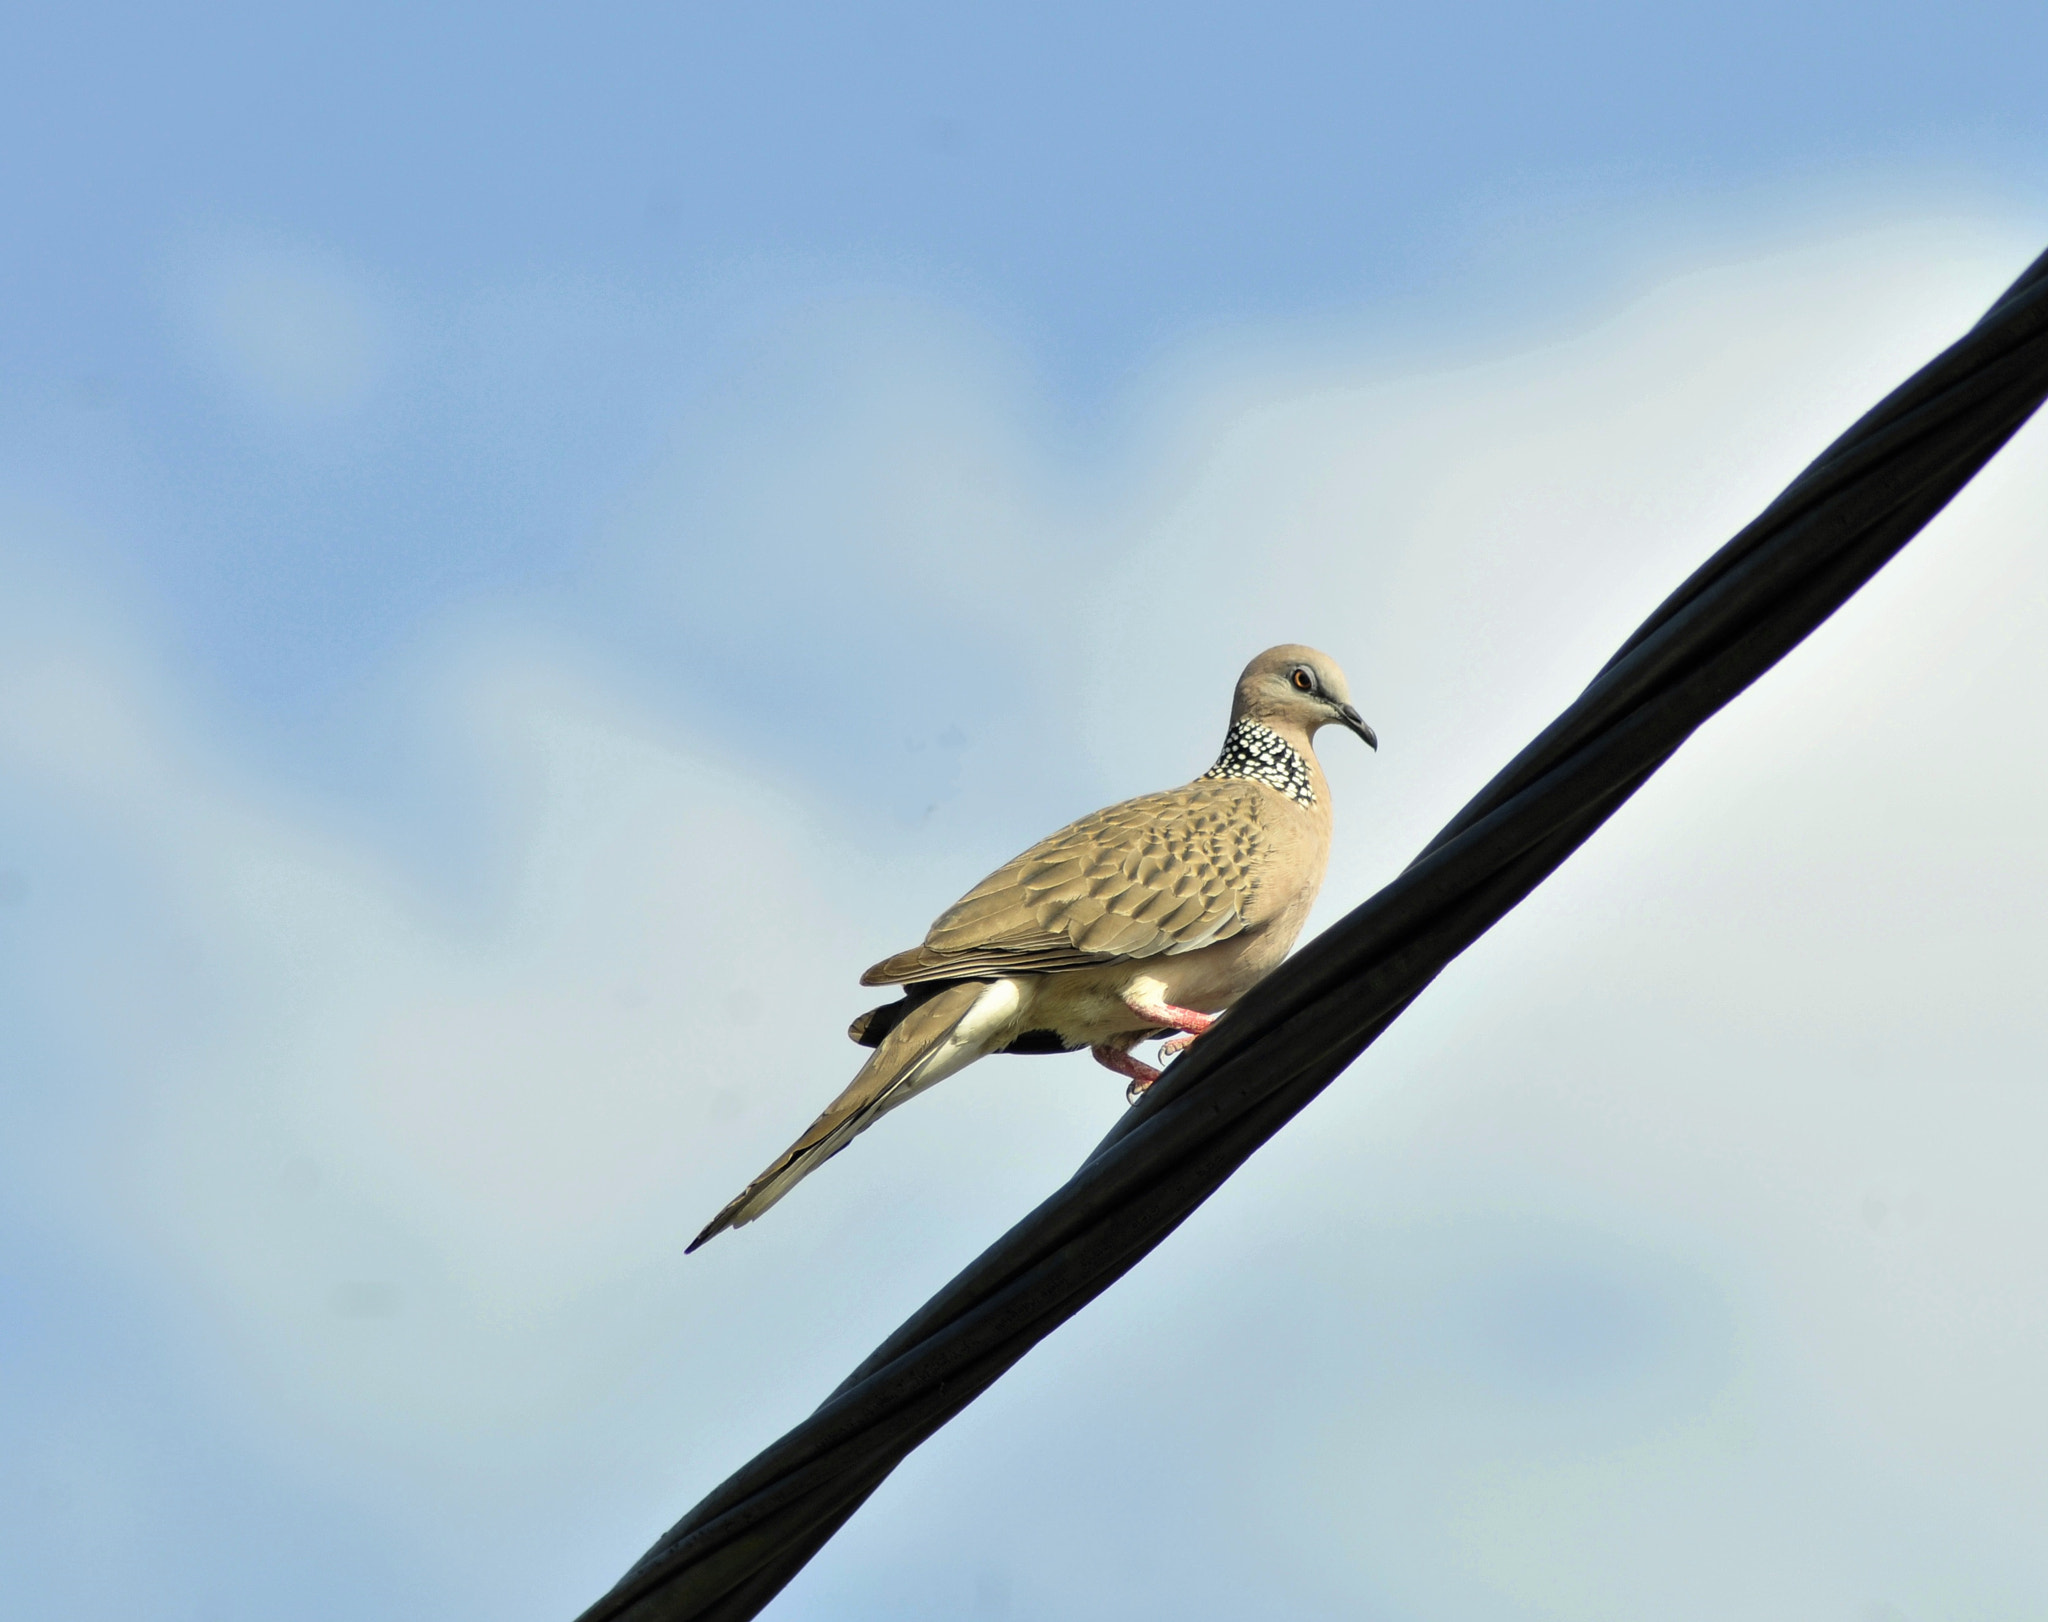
(1155, 876)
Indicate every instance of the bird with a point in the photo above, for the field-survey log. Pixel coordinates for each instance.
(1148, 918)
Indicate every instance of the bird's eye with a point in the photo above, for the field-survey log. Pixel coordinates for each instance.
(1304, 679)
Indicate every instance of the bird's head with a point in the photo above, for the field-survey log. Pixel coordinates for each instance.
(1296, 690)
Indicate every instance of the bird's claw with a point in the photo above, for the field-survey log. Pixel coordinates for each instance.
(1124, 1063)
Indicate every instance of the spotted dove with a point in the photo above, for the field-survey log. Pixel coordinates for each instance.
(1146, 919)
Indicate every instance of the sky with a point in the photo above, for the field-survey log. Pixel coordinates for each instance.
(534, 545)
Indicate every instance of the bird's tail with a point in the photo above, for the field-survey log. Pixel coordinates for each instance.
(938, 1036)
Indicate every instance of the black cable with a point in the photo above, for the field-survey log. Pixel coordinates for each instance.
(1834, 527)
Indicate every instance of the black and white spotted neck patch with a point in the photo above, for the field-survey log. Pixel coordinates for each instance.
(1256, 751)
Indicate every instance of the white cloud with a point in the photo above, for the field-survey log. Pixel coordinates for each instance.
(299, 336)
(1675, 1253)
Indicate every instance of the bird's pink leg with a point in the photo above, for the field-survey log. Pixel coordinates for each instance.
(1142, 1075)
(1164, 1013)
(1185, 1020)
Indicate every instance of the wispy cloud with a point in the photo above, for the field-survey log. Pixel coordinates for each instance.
(1699, 1197)
(295, 334)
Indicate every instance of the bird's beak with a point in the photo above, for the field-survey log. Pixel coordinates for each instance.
(1356, 723)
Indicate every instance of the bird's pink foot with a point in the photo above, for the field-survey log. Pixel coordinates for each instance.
(1177, 1044)
(1142, 1075)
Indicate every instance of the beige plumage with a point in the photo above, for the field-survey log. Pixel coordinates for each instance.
(1146, 918)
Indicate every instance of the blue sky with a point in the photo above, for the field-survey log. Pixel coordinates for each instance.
(1092, 185)
(537, 545)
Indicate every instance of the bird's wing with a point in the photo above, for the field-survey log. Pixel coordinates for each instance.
(1161, 874)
